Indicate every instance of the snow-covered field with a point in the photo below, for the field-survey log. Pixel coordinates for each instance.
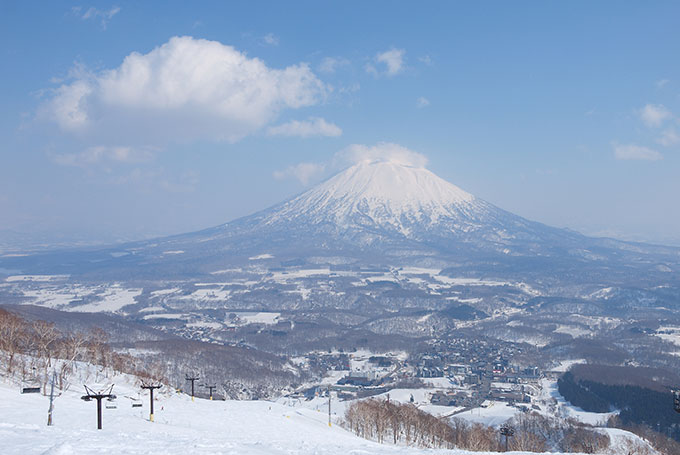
(669, 333)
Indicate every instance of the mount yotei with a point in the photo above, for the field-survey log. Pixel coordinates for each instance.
(377, 213)
(381, 249)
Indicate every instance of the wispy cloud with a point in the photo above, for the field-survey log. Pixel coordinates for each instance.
(662, 83)
(669, 137)
(95, 13)
(332, 64)
(314, 126)
(636, 152)
(654, 115)
(159, 178)
(422, 102)
(356, 153)
(381, 152)
(303, 172)
(389, 63)
(270, 39)
(186, 182)
(105, 154)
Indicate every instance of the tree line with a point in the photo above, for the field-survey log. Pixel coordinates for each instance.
(31, 351)
(386, 421)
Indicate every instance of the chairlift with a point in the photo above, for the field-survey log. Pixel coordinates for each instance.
(31, 384)
(136, 402)
(30, 390)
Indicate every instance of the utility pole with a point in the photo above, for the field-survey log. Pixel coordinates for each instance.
(151, 388)
(210, 388)
(99, 396)
(49, 412)
(329, 405)
(192, 379)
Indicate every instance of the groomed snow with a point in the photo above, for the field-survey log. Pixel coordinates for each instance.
(288, 426)
(181, 426)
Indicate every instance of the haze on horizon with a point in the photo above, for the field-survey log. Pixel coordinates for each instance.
(126, 121)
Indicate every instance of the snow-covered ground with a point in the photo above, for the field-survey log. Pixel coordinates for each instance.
(181, 426)
(568, 410)
(669, 333)
(216, 427)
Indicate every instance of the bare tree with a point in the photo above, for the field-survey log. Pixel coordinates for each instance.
(12, 336)
(45, 334)
(72, 349)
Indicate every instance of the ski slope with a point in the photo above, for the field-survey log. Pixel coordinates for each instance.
(181, 426)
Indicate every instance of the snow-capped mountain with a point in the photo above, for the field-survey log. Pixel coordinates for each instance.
(390, 207)
(396, 200)
(383, 194)
(382, 213)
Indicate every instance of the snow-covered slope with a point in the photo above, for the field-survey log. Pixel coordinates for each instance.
(181, 426)
(382, 193)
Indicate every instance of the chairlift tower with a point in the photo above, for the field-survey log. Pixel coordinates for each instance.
(193, 379)
(151, 388)
(210, 388)
(508, 432)
(99, 396)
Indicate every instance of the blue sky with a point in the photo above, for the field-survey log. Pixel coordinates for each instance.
(126, 120)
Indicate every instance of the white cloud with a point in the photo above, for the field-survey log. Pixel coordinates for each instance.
(662, 83)
(383, 151)
(636, 152)
(653, 115)
(94, 13)
(304, 172)
(106, 154)
(313, 126)
(669, 137)
(332, 64)
(182, 90)
(422, 102)
(426, 59)
(392, 62)
(270, 39)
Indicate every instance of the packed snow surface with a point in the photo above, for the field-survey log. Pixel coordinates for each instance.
(287, 426)
(181, 426)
